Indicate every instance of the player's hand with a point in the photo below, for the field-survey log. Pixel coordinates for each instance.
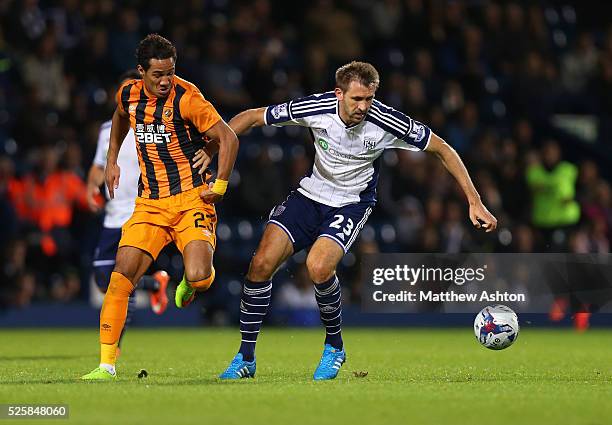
(93, 194)
(209, 196)
(201, 160)
(481, 217)
(111, 177)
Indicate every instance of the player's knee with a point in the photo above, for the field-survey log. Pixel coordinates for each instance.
(204, 284)
(262, 268)
(198, 272)
(127, 268)
(319, 272)
(126, 271)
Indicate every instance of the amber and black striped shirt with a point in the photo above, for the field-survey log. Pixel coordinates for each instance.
(168, 132)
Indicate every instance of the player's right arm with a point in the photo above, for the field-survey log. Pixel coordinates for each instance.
(453, 163)
(241, 123)
(119, 129)
(302, 112)
(247, 120)
(95, 178)
(295, 112)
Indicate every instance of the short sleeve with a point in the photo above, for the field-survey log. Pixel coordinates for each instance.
(103, 142)
(301, 111)
(402, 132)
(417, 138)
(201, 112)
(122, 97)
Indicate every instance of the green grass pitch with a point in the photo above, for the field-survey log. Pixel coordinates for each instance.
(415, 376)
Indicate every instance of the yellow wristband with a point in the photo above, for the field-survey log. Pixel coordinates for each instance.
(219, 187)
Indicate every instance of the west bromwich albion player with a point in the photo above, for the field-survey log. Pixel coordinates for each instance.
(351, 130)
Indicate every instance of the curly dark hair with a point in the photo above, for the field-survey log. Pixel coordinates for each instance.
(362, 72)
(154, 46)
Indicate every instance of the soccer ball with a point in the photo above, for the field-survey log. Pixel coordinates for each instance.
(496, 327)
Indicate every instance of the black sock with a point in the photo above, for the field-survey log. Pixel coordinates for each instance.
(253, 307)
(329, 298)
(148, 283)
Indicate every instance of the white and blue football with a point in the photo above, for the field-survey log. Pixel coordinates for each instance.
(496, 327)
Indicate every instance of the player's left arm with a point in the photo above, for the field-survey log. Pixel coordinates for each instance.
(207, 120)
(227, 142)
(453, 163)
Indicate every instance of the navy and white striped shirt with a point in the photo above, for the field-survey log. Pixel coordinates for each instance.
(347, 158)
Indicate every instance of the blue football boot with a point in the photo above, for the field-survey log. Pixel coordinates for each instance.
(330, 363)
(239, 369)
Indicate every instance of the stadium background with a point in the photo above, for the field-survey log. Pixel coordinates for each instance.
(500, 81)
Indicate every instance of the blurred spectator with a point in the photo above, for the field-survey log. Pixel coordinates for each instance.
(44, 71)
(462, 132)
(44, 200)
(124, 38)
(335, 30)
(262, 183)
(553, 188)
(25, 23)
(18, 282)
(579, 65)
(8, 215)
(223, 80)
(297, 293)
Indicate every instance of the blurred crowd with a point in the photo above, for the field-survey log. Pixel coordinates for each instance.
(489, 77)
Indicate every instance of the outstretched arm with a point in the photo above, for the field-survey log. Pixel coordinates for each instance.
(240, 123)
(455, 166)
(248, 119)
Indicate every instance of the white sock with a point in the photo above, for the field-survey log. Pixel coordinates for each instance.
(109, 367)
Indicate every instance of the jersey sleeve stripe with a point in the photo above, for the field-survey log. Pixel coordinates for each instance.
(400, 116)
(149, 166)
(302, 108)
(302, 102)
(174, 179)
(374, 120)
(125, 97)
(289, 106)
(404, 122)
(315, 112)
(398, 132)
(314, 104)
(315, 98)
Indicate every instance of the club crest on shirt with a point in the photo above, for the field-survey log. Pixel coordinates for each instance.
(369, 143)
(167, 113)
(132, 108)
